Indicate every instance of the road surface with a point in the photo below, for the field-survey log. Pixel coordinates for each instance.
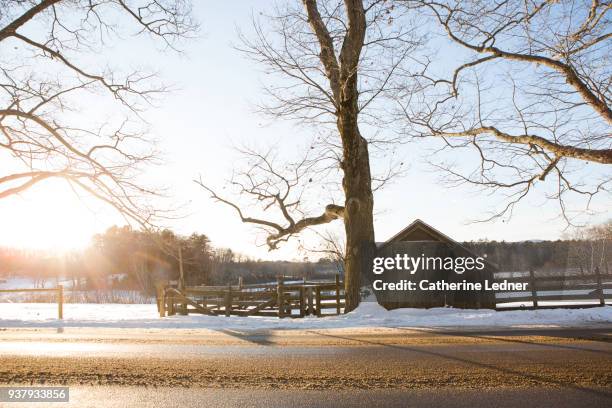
(336, 367)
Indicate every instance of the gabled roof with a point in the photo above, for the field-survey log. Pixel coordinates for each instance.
(421, 226)
(420, 229)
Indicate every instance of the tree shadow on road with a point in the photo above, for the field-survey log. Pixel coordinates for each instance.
(595, 335)
(261, 338)
(541, 379)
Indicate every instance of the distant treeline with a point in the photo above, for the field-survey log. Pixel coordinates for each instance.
(123, 258)
(582, 251)
(547, 256)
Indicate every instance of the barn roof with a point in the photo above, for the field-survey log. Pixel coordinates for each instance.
(419, 230)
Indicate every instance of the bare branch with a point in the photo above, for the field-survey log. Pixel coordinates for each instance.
(603, 156)
(530, 104)
(37, 99)
(279, 233)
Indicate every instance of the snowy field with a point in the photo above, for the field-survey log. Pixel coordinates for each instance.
(70, 295)
(369, 314)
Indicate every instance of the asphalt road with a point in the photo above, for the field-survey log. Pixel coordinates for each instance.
(342, 367)
(140, 397)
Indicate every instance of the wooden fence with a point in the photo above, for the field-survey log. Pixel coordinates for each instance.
(282, 299)
(547, 292)
(60, 296)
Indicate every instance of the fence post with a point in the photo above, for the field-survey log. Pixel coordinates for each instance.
(602, 299)
(228, 301)
(303, 298)
(534, 292)
(162, 302)
(302, 303)
(183, 310)
(338, 293)
(170, 304)
(310, 301)
(181, 282)
(60, 302)
(280, 295)
(318, 294)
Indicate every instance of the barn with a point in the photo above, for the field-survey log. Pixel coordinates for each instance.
(420, 240)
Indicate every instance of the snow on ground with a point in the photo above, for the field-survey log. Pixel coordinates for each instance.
(369, 314)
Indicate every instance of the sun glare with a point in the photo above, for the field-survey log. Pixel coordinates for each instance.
(48, 217)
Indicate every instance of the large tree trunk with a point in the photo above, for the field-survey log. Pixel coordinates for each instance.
(357, 183)
(359, 203)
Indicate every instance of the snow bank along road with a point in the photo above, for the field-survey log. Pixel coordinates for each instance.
(368, 314)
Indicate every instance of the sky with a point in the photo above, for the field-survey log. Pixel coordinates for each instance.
(210, 111)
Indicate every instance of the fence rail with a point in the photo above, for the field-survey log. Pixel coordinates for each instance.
(545, 292)
(282, 299)
(60, 296)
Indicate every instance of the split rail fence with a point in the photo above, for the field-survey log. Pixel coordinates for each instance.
(60, 296)
(547, 292)
(282, 299)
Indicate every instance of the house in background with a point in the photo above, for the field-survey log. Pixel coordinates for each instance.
(420, 239)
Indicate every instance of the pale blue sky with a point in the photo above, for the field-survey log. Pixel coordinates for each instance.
(210, 111)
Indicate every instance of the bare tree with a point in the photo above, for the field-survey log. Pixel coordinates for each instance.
(336, 61)
(279, 191)
(529, 97)
(591, 247)
(43, 76)
(331, 246)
